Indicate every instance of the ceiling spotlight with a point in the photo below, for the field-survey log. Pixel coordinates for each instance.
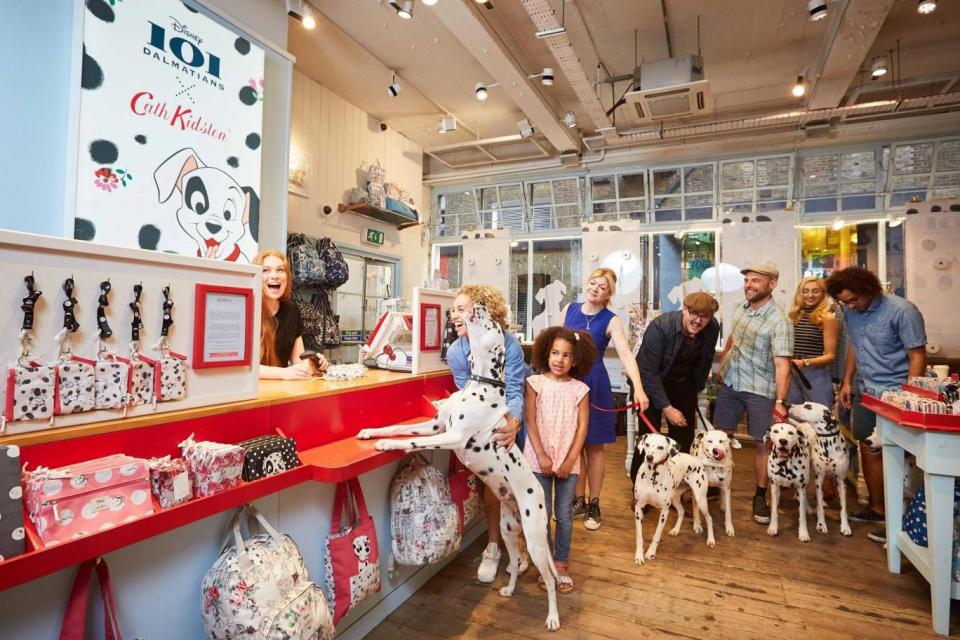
(526, 129)
(837, 225)
(393, 89)
(799, 88)
(309, 22)
(878, 67)
(547, 77)
(926, 6)
(481, 90)
(569, 119)
(429, 3)
(445, 124)
(817, 9)
(404, 9)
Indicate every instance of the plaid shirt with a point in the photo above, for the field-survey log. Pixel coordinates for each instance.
(758, 337)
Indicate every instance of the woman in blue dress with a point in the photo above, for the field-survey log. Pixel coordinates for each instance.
(604, 325)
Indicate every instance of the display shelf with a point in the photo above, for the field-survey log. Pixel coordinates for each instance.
(322, 419)
(349, 457)
(40, 562)
(920, 391)
(916, 419)
(398, 220)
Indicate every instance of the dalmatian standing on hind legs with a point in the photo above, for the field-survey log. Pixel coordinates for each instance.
(466, 425)
(828, 451)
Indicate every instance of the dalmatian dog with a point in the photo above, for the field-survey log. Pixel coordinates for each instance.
(215, 211)
(828, 452)
(714, 450)
(465, 425)
(662, 472)
(912, 475)
(367, 578)
(788, 467)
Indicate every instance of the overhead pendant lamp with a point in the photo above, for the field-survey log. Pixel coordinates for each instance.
(926, 6)
(799, 88)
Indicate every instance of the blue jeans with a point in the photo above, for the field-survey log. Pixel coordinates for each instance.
(562, 493)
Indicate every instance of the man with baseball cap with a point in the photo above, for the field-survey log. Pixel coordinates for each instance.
(674, 360)
(755, 370)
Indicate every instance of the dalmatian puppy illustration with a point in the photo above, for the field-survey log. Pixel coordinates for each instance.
(274, 463)
(215, 211)
(367, 579)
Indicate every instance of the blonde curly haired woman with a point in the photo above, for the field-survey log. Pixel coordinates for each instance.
(458, 359)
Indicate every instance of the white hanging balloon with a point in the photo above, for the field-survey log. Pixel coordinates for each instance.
(730, 278)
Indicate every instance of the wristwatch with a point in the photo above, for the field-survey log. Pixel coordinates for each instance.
(806, 362)
(779, 400)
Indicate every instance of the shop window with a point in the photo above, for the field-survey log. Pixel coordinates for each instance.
(555, 204)
(896, 274)
(754, 185)
(825, 249)
(456, 213)
(359, 303)
(840, 182)
(448, 264)
(925, 171)
(519, 284)
(555, 260)
(677, 261)
(603, 196)
(502, 207)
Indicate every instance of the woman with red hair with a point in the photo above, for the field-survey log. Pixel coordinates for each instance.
(281, 340)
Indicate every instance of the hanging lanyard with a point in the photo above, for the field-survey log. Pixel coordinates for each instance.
(103, 302)
(136, 324)
(29, 303)
(167, 312)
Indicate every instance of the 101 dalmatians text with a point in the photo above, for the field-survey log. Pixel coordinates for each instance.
(142, 104)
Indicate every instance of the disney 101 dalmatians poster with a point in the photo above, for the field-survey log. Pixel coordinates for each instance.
(170, 121)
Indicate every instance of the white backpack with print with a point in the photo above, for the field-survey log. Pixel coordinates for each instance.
(258, 589)
(424, 524)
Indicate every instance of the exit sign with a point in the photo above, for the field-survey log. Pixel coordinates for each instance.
(375, 237)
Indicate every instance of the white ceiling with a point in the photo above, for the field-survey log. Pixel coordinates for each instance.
(752, 50)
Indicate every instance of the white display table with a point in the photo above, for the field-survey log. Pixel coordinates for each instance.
(938, 456)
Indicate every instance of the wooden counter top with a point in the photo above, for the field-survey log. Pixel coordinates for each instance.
(272, 392)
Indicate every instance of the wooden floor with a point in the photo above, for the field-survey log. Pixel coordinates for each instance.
(750, 586)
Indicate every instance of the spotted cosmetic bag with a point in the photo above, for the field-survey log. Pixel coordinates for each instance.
(140, 382)
(30, 392)
(110, 383)
(170, 377)
(76, 386)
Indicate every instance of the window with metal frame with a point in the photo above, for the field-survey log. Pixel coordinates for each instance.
(456, 213)
(749, 185)
(845, 181)
(619, 196)
(677, 260)
(448, 263)
(555, 204)
(924, 171)
(684, 193)
(502, 207)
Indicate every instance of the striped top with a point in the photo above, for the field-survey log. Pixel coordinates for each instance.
(807, 338)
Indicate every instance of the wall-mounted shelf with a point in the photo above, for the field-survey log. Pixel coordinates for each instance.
(398, 220)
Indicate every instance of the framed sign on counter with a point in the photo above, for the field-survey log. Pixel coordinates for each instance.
(430, 327)
(223, 327)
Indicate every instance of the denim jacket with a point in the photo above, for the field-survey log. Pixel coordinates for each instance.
(661, 342)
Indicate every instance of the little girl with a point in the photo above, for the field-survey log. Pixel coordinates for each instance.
(556, 411)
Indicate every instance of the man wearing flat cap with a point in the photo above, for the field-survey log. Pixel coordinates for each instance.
(674, 360)
(755, 370)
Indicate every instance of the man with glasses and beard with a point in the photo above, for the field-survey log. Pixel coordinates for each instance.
(755, 370)
(674, 360)
(887, 344)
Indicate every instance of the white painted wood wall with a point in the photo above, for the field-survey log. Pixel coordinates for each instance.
(339, 138)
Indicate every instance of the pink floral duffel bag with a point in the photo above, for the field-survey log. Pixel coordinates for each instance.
(84, 498)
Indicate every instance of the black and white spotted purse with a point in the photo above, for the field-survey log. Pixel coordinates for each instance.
(29, 385)
(170, 372)
(75, 376)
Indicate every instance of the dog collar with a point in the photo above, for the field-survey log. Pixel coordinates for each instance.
(493, 381)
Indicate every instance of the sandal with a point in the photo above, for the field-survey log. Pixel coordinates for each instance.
(564, 584)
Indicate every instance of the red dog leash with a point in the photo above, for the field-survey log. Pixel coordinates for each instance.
(625, 408)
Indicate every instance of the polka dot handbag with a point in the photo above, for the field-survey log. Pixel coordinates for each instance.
(915, 517)
(11, 503)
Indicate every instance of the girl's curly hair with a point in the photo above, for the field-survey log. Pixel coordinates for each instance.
(584, 350)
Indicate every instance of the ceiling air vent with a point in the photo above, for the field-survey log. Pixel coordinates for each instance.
(671, 88)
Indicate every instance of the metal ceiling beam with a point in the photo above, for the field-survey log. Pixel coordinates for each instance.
(849, 38)
(464, 22)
